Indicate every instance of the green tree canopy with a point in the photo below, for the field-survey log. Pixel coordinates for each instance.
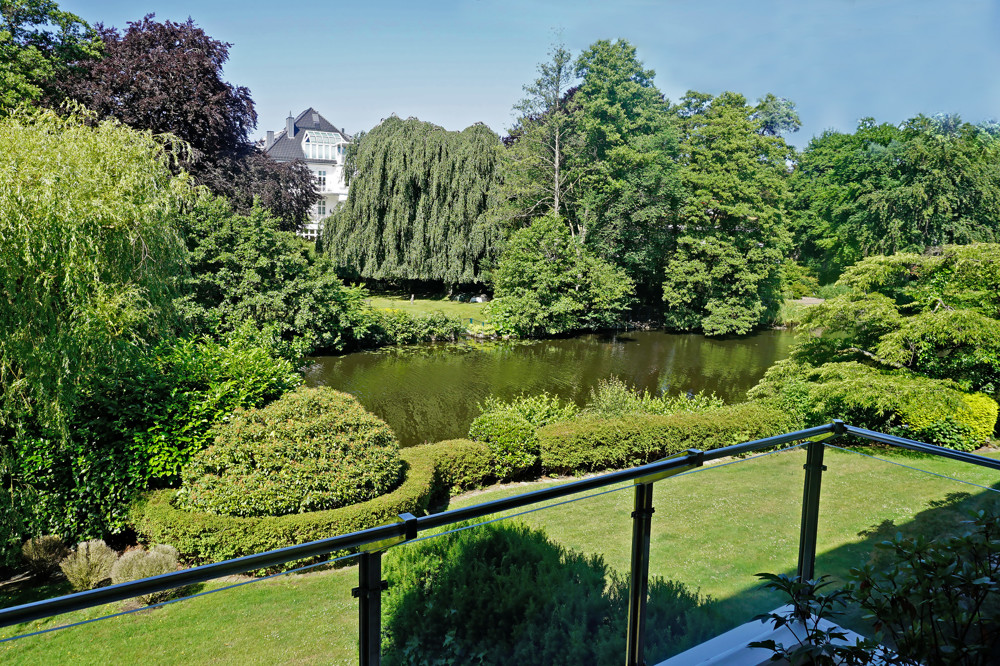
(548, 282)
(887, 189)
(415, 210)
(90, 255)
(629, 181)
(246, 270)
(724, 275)
(39, 43)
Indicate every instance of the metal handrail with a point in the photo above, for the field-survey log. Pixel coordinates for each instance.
(372, 541)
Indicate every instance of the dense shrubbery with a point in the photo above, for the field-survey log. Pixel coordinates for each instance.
(245, 269)
(43, 554)
(396, 327)
(141, 563)
(932, 410)
(591, 444)
(205, 537)
(135, 427)
(910, 345)
(613, 398)
(311, 450)
(548, 283)
(557, 606)
(89, 565)
(510, 430)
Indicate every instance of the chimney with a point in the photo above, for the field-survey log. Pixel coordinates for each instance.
(269, 141)
(290, 126)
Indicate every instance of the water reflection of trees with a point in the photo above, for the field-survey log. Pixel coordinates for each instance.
(431, 392)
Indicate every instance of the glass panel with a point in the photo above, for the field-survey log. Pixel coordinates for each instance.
(289, 617)
(713, 530)
(548, 586)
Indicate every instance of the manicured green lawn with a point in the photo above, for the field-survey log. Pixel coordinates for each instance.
(421, 306)
(712, 530)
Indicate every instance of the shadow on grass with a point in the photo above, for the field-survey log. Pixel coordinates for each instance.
(944, 517)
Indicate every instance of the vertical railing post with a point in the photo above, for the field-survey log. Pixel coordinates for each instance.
(642, 520)
(810, 510)
(369, 595)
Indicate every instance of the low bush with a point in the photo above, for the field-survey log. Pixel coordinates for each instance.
(932, 410)
(589, 443)
(509, 429)
(88, 565)
(396, 327)
(557, 606)
(139, 563)
(459, 464)
(204, 537)
(313, 449)
(613, 398)
(43, 554)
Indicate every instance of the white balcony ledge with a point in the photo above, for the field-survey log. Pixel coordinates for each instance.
(730, 648)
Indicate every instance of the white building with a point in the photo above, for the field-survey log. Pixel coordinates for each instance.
(312, 138)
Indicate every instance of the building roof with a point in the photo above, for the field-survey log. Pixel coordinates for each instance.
(287, 148)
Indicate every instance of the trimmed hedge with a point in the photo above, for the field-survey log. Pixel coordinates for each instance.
(312, 449)
(430, 471)
(590, 444)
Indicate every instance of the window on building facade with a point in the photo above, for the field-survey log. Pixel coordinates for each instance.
(322, 145)
(321, 178)
(321, 207)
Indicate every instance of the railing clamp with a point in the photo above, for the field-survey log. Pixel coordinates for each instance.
(821, 468)
(358, 592)
(699, 457)
(643, 512)
(839, 427)
(409, 526)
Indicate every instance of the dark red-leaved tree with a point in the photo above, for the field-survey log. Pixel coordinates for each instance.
(167, 77)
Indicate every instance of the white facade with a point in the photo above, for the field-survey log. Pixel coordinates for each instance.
(313, 139)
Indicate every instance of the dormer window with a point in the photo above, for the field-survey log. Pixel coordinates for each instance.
(323, 145)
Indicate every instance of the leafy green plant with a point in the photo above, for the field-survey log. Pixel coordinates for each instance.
(89, 564)
(939, 600)
(817, 642)
(913, 406)
(134, 429)
(509, 429)
(548, 282)
(43, 554)
(613, 398)
(313, 449)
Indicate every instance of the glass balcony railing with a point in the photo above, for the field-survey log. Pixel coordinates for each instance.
(641, 563)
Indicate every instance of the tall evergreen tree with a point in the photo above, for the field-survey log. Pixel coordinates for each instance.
(723, 276)
(415, 210)
(629, 182)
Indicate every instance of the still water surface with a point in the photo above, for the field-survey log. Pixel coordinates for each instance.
(430, 392)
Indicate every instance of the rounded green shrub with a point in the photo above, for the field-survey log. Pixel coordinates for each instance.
(205, 537)
(509, 429)
(311, 450)
(557, 607)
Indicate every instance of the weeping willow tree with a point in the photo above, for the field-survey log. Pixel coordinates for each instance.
(418, 194)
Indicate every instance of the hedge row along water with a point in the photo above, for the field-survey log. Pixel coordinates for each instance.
(432, 471)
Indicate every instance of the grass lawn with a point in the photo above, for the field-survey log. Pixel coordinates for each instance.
(421, 306)
(713, 529)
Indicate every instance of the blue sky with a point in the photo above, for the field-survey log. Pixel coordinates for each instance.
(456, 62)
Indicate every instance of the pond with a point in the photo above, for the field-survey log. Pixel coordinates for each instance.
(430, 392)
